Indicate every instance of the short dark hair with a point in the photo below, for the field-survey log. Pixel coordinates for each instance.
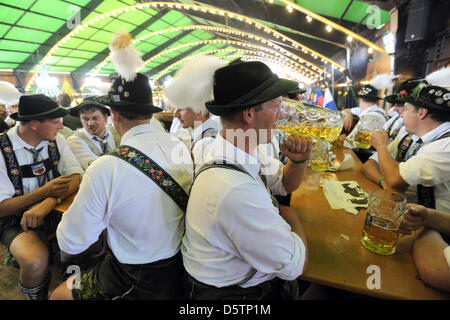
(92, 107)
(434, 114)
(367, 99)
(130, 115)
(232, 116)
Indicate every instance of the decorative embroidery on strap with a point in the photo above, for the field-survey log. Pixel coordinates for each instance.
(53, 153)
(152, 170)
(12, 165)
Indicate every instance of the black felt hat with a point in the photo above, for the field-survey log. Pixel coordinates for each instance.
(405, 88)
(38, 107)
(133, 96)
(430, 97)
(88, 102)
(241, 85)
(369, 92)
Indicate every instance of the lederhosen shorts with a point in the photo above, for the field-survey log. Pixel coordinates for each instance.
(196, 290)
(10, 228)
(111, 280)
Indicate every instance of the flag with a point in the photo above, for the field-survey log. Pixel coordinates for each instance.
(318, 98)
(311, 95)
(328, 101)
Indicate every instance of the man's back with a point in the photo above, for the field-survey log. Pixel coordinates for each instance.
(143, 223)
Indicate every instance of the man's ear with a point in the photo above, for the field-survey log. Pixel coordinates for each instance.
(248, 115)
(34, 125)
(422, 113)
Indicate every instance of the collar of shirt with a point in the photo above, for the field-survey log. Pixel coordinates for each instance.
(372, 109)
(223, 149)
(91, 137)
(18, 143)
(210, 123)
(142, 128)
(436, 132)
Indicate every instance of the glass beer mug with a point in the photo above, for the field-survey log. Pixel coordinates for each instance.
(383, 218)
(363, 133)
(309, 120)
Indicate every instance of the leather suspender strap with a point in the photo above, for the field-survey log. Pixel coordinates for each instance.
(11, 163)
(425, 195)
(152, 170)
(16, 173)
(27, 171)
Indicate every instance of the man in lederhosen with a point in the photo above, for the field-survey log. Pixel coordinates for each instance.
(138, 193)
(31, 185)
(238, 244)
(96, 138)
(420, 165)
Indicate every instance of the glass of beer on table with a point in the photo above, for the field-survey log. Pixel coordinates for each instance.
(383, 218)
(320, 156)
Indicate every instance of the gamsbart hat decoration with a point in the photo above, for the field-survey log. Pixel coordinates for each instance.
(371, 90)
(130, 90)
(192, 85)
(404, 89)
(38, 107)
(430, 97)
(430, 93)
(241, 85)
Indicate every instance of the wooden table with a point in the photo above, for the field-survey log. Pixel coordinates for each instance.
(336, 255)
(64, 205)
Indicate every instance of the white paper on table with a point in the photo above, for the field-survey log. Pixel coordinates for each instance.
(346, 195)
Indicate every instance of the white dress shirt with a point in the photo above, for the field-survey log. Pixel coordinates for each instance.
(232, 226)
(68, 164)
(358, 112)
(202, 146)
(83, 152)
(143, 223)
(431, 167)
(395, 123)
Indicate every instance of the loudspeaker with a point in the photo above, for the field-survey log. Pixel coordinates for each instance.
(417, 25)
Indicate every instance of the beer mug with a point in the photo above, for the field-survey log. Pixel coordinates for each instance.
(320, 156)
(364, 129)
(309, 120)
(383, 218)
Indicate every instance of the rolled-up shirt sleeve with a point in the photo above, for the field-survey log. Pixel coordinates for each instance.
(260, 235)
(85, 219)
(68, 163)
(429, 167)
(273, 171)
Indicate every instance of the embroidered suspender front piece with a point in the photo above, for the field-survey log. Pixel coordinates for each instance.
(16, 173)
(11, 163)
(152, 170)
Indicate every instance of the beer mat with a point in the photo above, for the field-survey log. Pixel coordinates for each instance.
(345, 164)
(347, 195)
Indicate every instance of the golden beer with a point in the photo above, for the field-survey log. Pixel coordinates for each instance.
(319, 165)
(329, 134)
(380, 235)
(362, 139)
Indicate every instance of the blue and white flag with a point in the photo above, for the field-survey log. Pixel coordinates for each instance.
(328, 101)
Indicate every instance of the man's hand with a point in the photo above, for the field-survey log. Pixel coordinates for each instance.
(57, 187)
(33, 218)
(348, 121)
(297, 148)
(414, 219)
(379, 139)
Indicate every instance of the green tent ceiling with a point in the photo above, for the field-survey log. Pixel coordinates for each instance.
(29, 29)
